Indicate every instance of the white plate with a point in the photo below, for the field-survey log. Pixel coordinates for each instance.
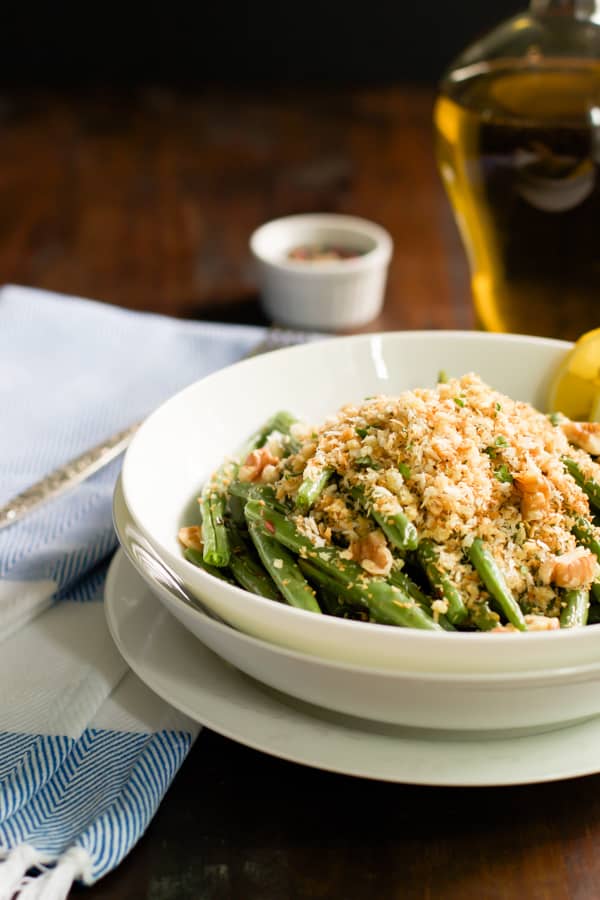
(183, 672)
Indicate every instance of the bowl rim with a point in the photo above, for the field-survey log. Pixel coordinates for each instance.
(457, 639)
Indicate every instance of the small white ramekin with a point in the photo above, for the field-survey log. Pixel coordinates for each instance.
(326, 295)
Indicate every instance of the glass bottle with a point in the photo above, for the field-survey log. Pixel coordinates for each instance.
(517, 126)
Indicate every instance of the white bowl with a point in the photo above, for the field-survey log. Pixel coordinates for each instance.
(185, 439)
(326, 295)
(509, 701)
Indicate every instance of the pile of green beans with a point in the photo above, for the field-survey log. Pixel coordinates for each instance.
(252, 540)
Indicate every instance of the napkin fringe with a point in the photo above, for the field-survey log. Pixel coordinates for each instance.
(14, 865)
(52, 881)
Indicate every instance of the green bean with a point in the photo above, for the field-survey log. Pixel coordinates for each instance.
(214, 499)
(311, 489)
(575, 610)
(492, 577)
(235, 510)
(329, 602)
(216, 550)
(281, 422)
(283, 569)
(405, 582)
(482, 616)
(213, 496)
(284, 530)
(402, 580)
(582, 529)
(196, 557)
(398, 529)
(588, 485)
(386, 603)
(335, 595)
(246, 570)
(441, 582)
(249, 490)
(278, 524)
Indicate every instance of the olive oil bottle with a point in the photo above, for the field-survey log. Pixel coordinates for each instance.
(517, 125)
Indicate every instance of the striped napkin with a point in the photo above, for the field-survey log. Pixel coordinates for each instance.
(86, 751)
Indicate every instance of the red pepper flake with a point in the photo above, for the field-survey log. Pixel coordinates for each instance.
(269, 526)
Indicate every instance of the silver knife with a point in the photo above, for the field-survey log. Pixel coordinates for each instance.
(61, 480)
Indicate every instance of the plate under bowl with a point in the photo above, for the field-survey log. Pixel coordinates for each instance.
(168, 658)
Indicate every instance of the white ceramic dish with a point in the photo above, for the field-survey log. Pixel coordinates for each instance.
(194, 680)
(186, 438)
(326, 295)
(508, 701)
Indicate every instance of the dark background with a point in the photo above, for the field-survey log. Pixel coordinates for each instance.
(142, 143)
(373, 41)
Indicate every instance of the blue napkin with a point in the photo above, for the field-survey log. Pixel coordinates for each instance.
(86, 751)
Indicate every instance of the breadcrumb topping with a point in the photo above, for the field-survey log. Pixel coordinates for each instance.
(460, 460)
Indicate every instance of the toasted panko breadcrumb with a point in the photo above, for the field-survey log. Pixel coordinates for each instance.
(460, 460)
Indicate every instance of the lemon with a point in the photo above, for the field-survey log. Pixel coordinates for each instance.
(575, 390)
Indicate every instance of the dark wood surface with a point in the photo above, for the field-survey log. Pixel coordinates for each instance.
(146, 200)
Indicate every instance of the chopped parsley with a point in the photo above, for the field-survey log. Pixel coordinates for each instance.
(362, 432)
(499, 442)
(502, 473)
(404, 470)
(365, 462)
(459, 402)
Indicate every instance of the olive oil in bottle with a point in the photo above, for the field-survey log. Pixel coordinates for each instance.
(518, 145)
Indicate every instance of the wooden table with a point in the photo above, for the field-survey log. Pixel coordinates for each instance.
(146, 199)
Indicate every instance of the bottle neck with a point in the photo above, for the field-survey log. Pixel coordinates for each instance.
(583, 10)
